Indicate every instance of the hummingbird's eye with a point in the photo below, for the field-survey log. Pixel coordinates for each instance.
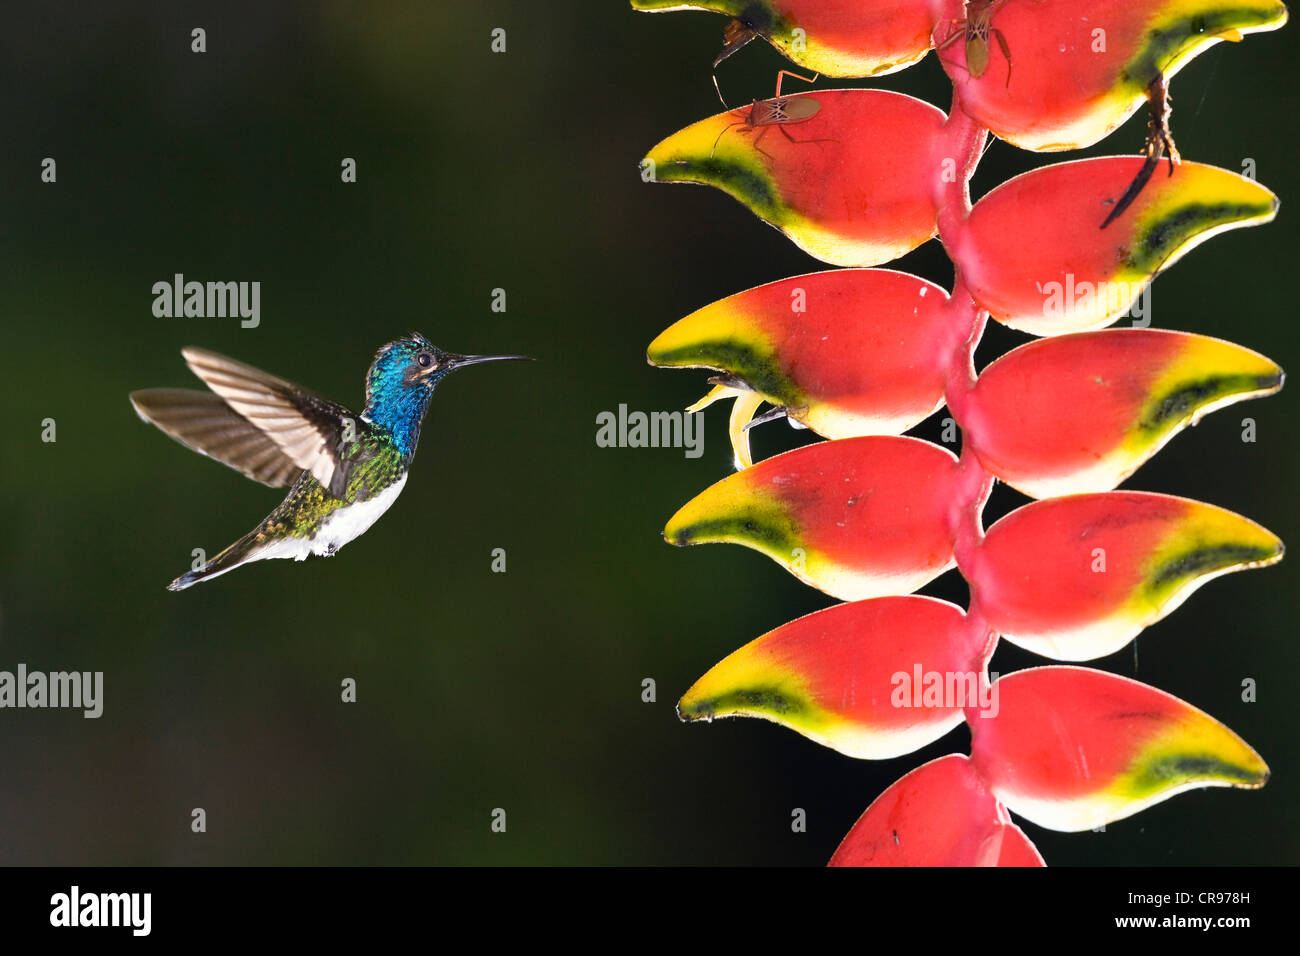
(424, 359)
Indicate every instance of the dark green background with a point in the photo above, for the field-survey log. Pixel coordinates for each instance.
(481, 690)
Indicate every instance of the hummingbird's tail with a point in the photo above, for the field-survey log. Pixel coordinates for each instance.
(245, 549)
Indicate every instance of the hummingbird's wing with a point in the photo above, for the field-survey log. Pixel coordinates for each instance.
(306, 427)
(204, 422)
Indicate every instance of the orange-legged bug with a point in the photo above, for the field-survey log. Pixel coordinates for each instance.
(780, 111)
(978, 28)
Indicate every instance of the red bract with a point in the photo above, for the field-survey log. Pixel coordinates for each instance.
(849, 184)
(876, 678)
(1078, 70)
(1073, 749)
(835, 37)
(1082, 412)
(847, 353)
(1035, 257)
(941, 814)
(1078, 577)
(857, 518)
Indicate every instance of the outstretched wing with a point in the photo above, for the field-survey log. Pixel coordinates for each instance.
(306, 428)
(204, 422)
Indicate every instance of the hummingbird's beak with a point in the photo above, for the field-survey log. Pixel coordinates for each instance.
(460, 361)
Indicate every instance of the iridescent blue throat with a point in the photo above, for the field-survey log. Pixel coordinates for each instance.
(396, 404)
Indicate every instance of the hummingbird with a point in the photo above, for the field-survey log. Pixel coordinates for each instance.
(342, 470)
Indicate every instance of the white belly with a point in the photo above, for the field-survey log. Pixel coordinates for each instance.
(347, 523)
(339, 528)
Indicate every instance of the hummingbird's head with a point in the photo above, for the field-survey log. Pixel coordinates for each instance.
(402, 379)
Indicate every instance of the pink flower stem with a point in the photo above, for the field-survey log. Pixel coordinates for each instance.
(959, 150)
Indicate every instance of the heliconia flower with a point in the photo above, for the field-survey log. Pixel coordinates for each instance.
(1078, 577)
(742, 412)
(855, 518)
(846, 353)
(872, 679)
(843, 38)
(940, 814)
(1072, 748)
(1035, 256)
(847, 178)
(1082, 412)
(1078, 71)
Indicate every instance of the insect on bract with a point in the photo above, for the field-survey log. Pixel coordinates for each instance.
(976, 30)
(780, 112)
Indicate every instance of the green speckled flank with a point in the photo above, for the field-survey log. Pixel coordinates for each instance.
(1170, 40)
(770, 700)
(1169, 231)
(1181, 403)
(757, 367)
(376, 464)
